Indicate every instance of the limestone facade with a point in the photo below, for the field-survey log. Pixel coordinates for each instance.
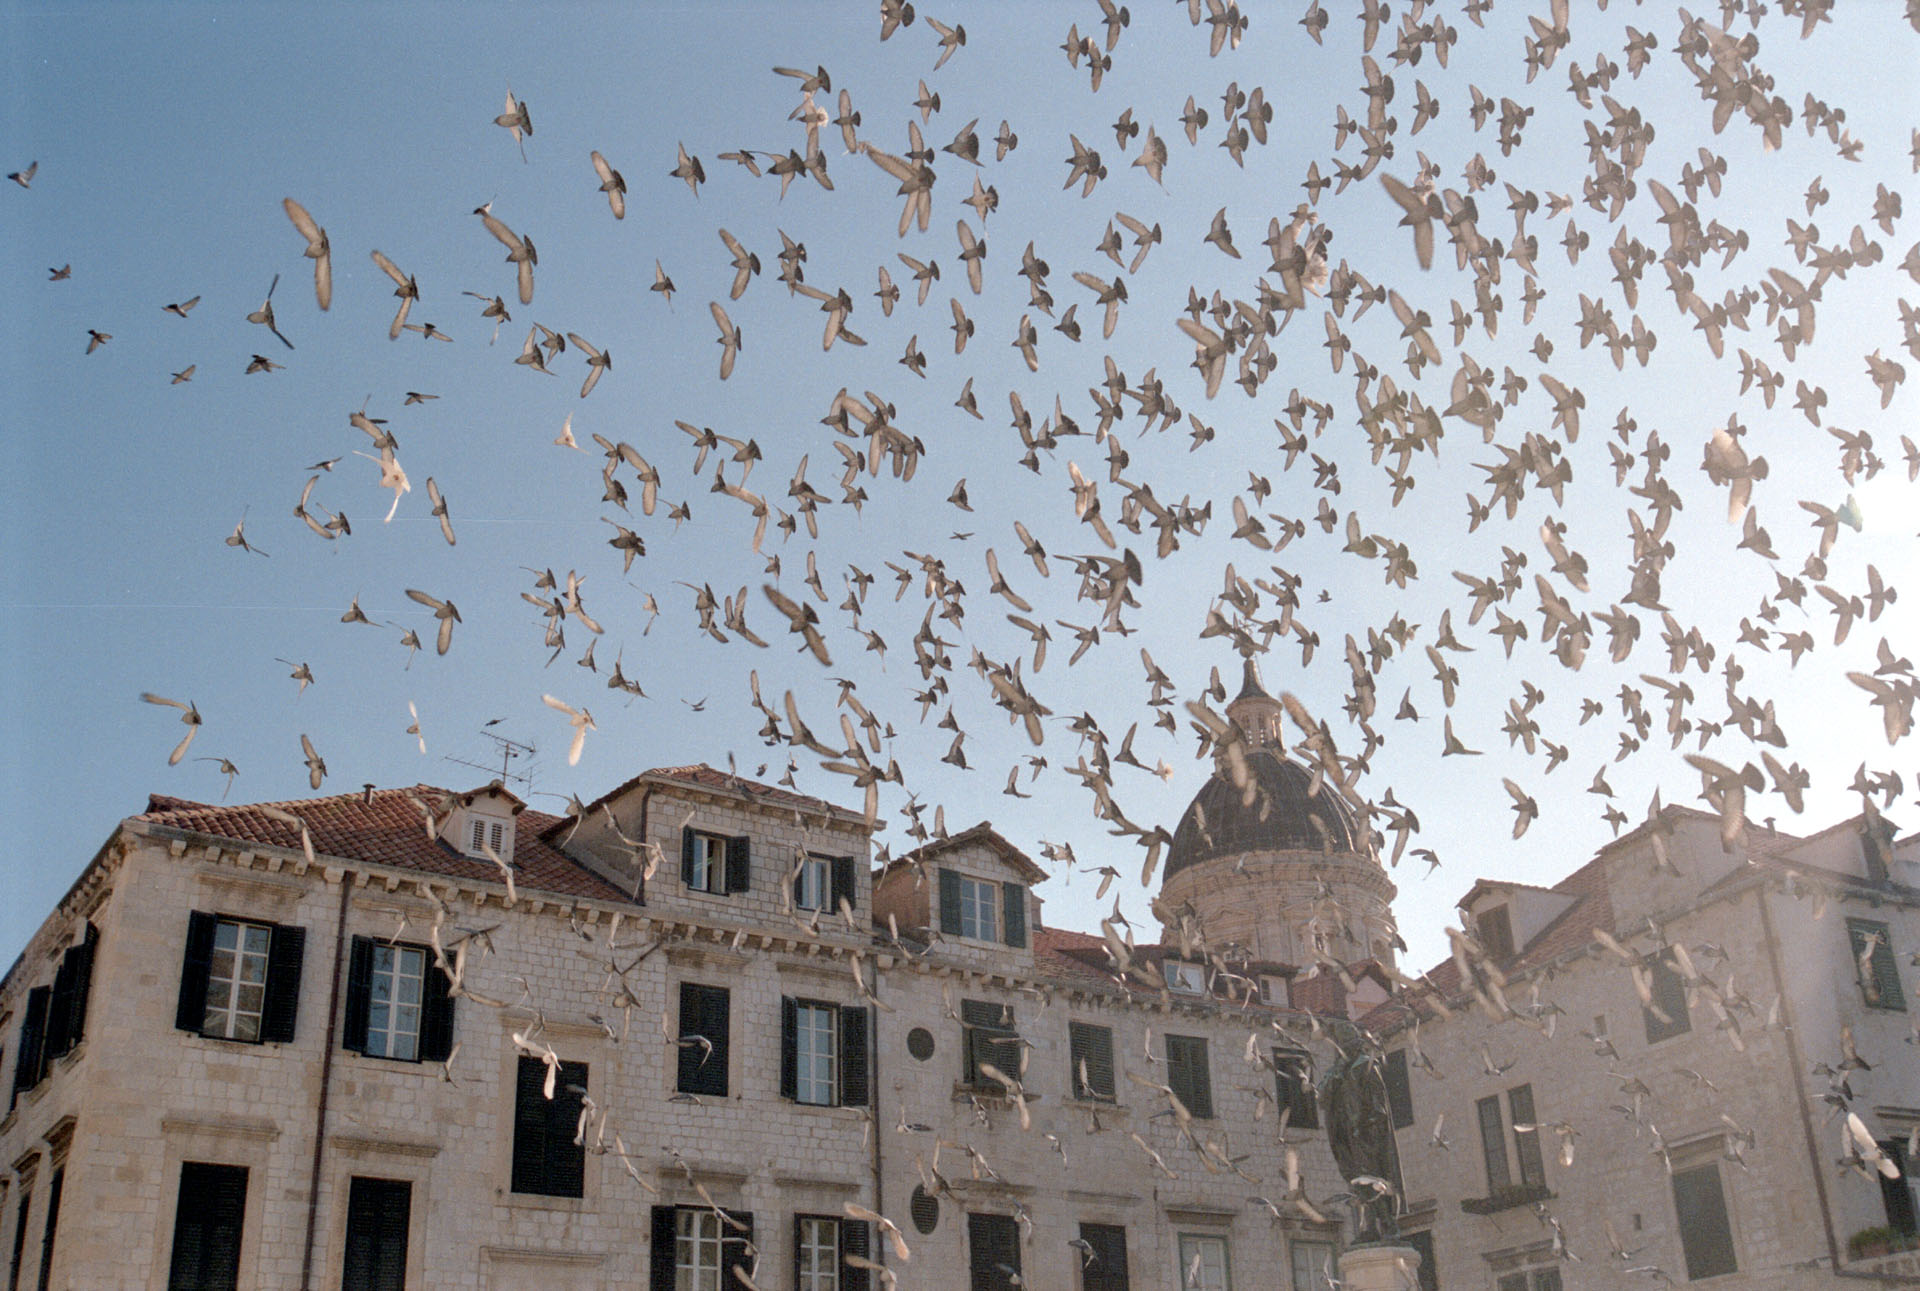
(586, 961)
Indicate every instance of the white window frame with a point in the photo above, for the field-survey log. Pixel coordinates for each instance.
(237, 998)
(697, 1249)
(1308, 1260)
(709, 863)
(1191, 1244)
(816, 1054)
(813, 885)
(1189, 979)
(395, 995)
(979, 909)
(819, 1254)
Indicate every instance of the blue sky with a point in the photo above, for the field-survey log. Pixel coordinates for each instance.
(168, 137)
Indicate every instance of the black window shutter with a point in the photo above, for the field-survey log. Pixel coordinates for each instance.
(30, 1064)
(660, 1265)
(377, 1220)
(854, 1240)
(566, 1160)
(1107, 1270)
(191, 1013)
(530, 1127)
(949, 902)
(994, 1241)
(843, 884)
(1526, 1143)
(1013, 900)
(1493, 1143)
(1669, 998)
(359, 995)
(1091, 1046)
(1399, 1089)
(853, 1056)
(82, 957)
(282, 1005)
(436, 1014)
(52, 1227)
(739, 866)
(704, 1012)
(799, 1240)
(1187, 1073)
(687, 844)
(736, 1247)
(206, 1227)
(789, 1048)
(1705, 1236)
(59, 1013)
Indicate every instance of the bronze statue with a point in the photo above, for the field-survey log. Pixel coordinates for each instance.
(1353, 1098)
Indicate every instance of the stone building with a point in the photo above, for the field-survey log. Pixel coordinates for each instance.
(1643, 1072)
(410, 1038)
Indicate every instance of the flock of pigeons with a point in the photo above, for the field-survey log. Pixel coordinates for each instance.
(1369, 407)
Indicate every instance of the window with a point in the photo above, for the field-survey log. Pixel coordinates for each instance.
(1090, 1059)
(546, 1161)
(378, 1212)
(713, 862)
(67, 1002)
(1311, 1261)
(1493, 1144)
(483, 834)
(1874, 967)
(1494, 928)
(1422, 1244)
(240, 979)
(1103, 1261)
(206, 1227)
(694, 1249)
(1897, 1193)
(1187, 1074)
(993, 1253)
(1204, 1265)
(1547, 1279)
(816, 1253)
(989, 1037)
(821, 1244)
(30, 1060)
(1393, 1070)
(823, 1053)
(1293, 1088)
(1526, 1143)
(20, 1228)
(397, 1003)
(1700, 1207)
(982, 910)
(1189, 979)
(823, 882)
(53, 1224)
(977, 902)
(1666, 1016)
(704, 1025)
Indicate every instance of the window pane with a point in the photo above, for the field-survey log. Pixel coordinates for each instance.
(814, 1054)
(1203, 1263)
(819, 1254)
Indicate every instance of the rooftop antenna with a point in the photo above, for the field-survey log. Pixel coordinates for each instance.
(507, 750)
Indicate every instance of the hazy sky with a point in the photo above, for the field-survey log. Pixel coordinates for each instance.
(167, 138)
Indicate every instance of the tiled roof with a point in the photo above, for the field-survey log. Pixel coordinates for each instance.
(981, 833)
(1061, 952)
(386, 829)
(699, 773)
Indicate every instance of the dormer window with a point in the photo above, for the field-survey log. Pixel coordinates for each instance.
(1494, 928)
(1189, 979)
(982, 910)
(1273, 990)
(483, 833)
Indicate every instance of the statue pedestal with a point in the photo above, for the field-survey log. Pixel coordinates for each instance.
(1380, 1268)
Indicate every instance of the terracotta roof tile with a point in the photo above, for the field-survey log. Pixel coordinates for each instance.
(388, 829)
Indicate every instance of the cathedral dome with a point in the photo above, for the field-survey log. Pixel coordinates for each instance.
(1283, 815)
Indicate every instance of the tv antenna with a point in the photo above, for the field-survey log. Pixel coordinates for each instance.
(507, 751)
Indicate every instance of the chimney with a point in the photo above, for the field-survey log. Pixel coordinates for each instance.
(366, 794)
